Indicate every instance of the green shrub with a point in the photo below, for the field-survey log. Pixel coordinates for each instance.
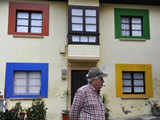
(37, 111)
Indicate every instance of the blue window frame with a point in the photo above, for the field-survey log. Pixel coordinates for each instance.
(9, 82)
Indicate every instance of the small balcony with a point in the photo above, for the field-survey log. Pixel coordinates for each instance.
(83, 52)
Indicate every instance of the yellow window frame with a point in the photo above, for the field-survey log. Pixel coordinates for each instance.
(147, 68)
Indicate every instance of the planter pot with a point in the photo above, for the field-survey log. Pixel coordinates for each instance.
(155, 111)
(65, 116)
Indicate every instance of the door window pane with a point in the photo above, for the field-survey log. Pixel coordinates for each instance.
(92, 39)
(77, 27)
(91, 28)
(90, 20)
(75, 38)
(90, 12)
(77, 20)
(84, 39)
(77, 12)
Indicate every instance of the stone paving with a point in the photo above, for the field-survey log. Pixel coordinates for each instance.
(142, 117)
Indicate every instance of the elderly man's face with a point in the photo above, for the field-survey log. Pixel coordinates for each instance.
(98, 83)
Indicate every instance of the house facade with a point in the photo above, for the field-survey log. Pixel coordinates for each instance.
(47, 47)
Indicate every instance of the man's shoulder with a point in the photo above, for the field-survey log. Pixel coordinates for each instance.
(84, 88)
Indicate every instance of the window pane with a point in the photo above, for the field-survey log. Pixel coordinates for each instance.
(20, 78)
(34, 79)
(36, 23)
(127, 89)
(91, 28)
(126, 75)
(36, 16)
(22, 29)
(90, 12)
(22, 15)
(125, 26)
(90, 20)
(22, 22)
(138, 82)
(138, 75)
(36, 30)
(77, 27)
(124, 20)
(34, 90)
(127, 83)
(125, 33)
(75, 38)
(77, 20)
(20, 90)
(136, 27)
(77, 12)
(136, 20)
(20, 82)
(92, 39)
(138, 89)
(136, 33)
(84, 39)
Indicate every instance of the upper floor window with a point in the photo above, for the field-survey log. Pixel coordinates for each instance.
(131, 26)
(132, 23)
(28, 19)
(83, 25)
(29, 22)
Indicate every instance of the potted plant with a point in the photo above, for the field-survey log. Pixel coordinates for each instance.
(65, 114)
(155, 109)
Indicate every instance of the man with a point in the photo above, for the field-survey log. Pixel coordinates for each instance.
(87, 103)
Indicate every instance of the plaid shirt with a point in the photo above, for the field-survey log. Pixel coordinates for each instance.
(87, 105)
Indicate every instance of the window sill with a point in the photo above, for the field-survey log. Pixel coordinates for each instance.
(132, 39)
(28, 36)
(15, 99)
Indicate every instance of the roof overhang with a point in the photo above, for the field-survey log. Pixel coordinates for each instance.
(142, 2)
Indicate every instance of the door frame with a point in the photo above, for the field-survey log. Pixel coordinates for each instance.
(84, 65)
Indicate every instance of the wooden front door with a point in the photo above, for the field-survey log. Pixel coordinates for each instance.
(78, 79)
